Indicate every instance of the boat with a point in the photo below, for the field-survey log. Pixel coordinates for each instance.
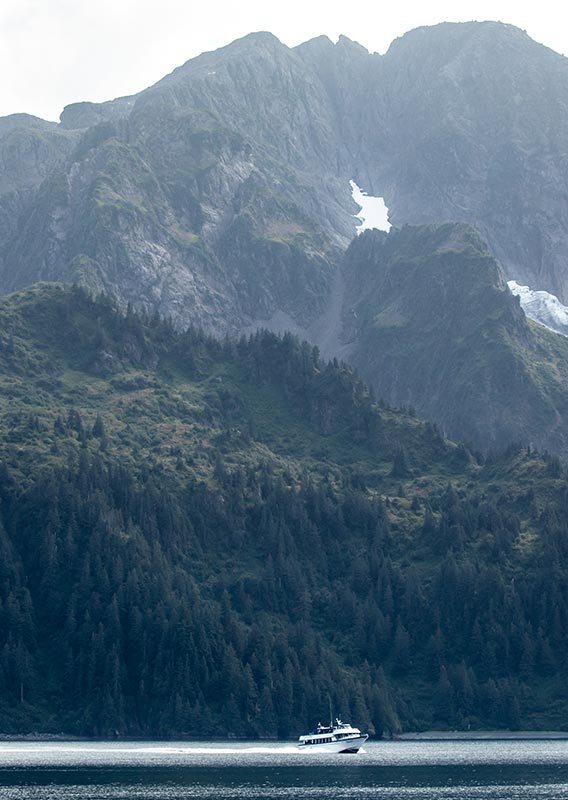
(338, 737)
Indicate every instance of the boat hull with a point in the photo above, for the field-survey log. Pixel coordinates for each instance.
(351, 745)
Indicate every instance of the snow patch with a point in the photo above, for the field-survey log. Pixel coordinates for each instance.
(542, 307)
(373, 213)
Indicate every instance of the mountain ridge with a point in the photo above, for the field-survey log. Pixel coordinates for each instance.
(220, 196)
(367, 79)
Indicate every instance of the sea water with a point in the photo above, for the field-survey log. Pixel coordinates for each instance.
(488, 770)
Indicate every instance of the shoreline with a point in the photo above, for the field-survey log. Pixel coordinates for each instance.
(415, 736)
(462, 736)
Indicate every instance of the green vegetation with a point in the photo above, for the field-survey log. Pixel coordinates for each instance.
(202, 537)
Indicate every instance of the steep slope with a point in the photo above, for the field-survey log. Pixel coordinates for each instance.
(220, 197)
(231, 176)
(209, 197)
(477, 130)
(433, 325)
(29, 150)
(200, 537)
(59, 344)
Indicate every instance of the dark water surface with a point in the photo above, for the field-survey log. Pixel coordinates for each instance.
(521, 770)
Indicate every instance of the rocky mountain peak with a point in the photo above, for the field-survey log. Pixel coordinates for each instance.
(221, 197)
(86, 115)
(24, 122)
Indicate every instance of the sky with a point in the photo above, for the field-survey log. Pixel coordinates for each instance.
(56, 52)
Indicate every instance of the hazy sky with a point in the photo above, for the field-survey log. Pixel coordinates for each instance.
(55, 52)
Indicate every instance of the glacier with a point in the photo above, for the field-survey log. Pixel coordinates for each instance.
(374, 212)
(542, 307)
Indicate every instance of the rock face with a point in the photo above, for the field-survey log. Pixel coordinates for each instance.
(30, 149)
(221, 197)
(242, 157)
(430, 322)
(476, 128)
(204, 198)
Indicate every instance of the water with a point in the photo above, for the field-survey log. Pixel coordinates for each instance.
(525, 770)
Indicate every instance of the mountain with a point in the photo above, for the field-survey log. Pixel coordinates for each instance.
(220, 197)
(430, 322)
(475, 129)
(211, 536)
(221, 194)
(202, 537)
(30, 149)
(205, 197)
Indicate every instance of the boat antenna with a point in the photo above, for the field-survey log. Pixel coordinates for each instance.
(330, 714)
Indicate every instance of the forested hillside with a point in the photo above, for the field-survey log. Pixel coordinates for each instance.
(202, 537)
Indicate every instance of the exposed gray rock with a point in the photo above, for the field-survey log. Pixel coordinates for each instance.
(477, 130)
(220, 196)
(429, 321)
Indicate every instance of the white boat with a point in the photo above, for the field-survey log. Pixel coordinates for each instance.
(339, 737)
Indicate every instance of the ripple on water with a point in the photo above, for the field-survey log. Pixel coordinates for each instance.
(164, 792)
(521, 770)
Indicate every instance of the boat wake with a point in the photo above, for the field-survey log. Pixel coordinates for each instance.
(102, 750)
(283, 749)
